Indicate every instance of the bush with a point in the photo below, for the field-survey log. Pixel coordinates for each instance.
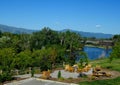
(5, 77)
(59, 74)
(70, 78)
(61, 78)
(32, 72)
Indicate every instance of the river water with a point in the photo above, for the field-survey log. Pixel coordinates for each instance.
(95, 53)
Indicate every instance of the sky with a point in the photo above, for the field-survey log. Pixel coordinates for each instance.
(99, 16)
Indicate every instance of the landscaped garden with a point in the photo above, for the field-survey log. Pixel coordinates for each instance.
(53, 55)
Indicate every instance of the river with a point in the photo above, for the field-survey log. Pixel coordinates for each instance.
(95, 52)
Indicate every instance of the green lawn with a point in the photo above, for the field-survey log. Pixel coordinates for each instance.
(115, 81)
(114, 65)
(104, 63)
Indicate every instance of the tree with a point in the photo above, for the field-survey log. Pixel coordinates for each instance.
(115, 51)
(83, 58)
(23, 60)
(60, 54)
(5, 41)
(6, 59)
(59, 74)
(0, 33)
(52, 54)
(41, 59)
(116, 48)
(43, 38)
(116, 38)
(72, 42)
(21, 42)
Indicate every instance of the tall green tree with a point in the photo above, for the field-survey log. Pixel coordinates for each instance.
(83, 58)
(44, 38)
(72, 42)
(116, 48)
(6, 59)
(21, 42)
(41, 59)
(23, 60)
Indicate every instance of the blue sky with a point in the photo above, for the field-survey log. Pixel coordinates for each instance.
(82, 15)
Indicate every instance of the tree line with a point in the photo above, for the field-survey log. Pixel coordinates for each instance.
(116, 48)
(44, 49)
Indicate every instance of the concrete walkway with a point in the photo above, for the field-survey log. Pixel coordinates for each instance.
(35, 81)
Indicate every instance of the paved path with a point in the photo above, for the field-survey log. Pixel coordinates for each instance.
(34, 81)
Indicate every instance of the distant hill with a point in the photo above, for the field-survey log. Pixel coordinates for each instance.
(5, 28)
(90, 34)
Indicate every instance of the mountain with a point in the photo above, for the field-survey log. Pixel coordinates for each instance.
(90, 34)
(5, 28)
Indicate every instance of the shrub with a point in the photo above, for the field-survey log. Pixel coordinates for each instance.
(61, 78)
(70, 78)
(32, 72)
(5, 77)
(59, 74)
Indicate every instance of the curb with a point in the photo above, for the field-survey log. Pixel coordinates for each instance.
(55, 82)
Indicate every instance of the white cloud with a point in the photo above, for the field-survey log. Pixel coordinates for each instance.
(98, 26)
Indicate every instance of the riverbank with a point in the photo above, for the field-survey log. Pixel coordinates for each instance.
(103, 47)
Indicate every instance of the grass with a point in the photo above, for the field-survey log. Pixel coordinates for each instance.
(104, 63)
(115, 81)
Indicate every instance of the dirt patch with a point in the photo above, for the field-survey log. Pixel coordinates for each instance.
(113, 73)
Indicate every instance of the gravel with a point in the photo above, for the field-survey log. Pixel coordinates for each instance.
(34, 81)
(67, 74)
(64, 74)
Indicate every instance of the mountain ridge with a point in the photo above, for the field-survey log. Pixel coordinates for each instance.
(17, 30)
(90, 34)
